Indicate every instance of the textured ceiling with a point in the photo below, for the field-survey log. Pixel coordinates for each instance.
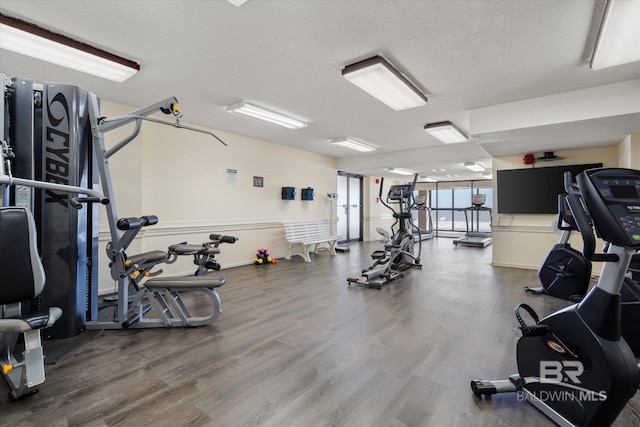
(287, 55)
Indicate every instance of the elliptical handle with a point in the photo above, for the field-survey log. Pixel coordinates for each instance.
(569, 186)
(381, 185)
(583, 225)
(413, 189)
(563, 215)
(413, 184)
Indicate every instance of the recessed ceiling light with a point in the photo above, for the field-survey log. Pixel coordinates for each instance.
(380, 79)
(30, 40)
(400, 171)
(353, 144)
(251, 110)
(619, 35)
(474, 166)
(446, 132)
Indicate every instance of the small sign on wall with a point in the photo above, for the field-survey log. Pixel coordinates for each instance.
(232, 176)
(258, 181)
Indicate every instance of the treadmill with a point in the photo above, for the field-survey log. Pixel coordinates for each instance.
(423, 233)
(475, 238)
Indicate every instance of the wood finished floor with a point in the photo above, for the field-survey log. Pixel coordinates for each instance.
(295, 346)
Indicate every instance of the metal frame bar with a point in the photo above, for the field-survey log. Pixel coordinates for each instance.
(163, 307)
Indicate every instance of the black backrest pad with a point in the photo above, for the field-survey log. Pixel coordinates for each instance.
(20, 278)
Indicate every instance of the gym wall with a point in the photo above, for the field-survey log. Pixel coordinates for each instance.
(533, 235)
(374, 213)
(182, 177)
(629, 152)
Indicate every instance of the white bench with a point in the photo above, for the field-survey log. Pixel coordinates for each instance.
(301, 235)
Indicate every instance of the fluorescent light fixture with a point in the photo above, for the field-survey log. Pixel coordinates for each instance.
(474, 166)
(30, 40)
(250, 110)
(400, 171)
(428, 179)
(354, 144)
(237, 3)
(619, 36)
(446, 132)
(487, 176)
(381, 80)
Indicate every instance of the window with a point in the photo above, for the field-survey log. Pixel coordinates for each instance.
(448, 206)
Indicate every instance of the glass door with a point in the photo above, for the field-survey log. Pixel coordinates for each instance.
(349, 207)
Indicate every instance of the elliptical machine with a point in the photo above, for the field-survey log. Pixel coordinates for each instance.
(398, 254)
(573, 365)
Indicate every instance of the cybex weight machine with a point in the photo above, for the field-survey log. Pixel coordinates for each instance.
(57, 135)
(47, 127)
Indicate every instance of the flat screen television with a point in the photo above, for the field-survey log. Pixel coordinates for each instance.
(534, 190)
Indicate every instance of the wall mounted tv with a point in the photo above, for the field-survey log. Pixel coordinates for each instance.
(534, 190)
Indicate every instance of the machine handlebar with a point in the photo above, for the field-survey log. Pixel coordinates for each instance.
(218, 238)
(132, 223)
(77, 202)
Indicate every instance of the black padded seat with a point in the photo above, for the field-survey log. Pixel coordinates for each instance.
(22, 270)
(189, 282)
(23, 279)
(33, 321)
(186, 249)
(147, 257)
(23, 274)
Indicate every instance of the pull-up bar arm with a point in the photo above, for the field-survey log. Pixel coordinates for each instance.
(168, 106)
(107, 124)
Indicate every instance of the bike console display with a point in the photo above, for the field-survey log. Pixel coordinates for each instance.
(397, 192)
(612, 197)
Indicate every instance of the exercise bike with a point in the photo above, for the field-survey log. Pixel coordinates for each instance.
(566, 272)
(398, 254)
(573, 365)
